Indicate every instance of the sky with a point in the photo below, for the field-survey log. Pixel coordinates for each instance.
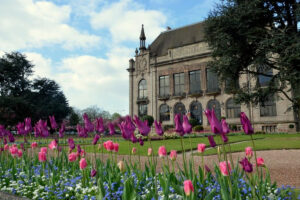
(85, 45)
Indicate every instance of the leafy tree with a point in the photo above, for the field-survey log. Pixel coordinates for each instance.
(250, 38)
(149, 118)
(74, 118)
(21, 97)
(115, 116)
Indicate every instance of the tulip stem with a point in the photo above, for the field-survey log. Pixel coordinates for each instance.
(192, 152)
(183, 153)
(203, 166)
(129, 152)
(230, 156)
(254, 154)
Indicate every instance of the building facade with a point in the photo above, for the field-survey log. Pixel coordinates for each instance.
(171, 76)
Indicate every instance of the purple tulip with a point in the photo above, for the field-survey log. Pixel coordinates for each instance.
(187, 127)
(178, 125)
(129, 123)
(82, 132)
(21, 128)
(4, 141)
(62, 130)
(11, 137)
(207, 169)
(141, 141)
(96, 138)
(22, 146)
(53, 122)
(111, 128)
(99, 126)
(211, 141)
(88, 125)
(43, 129)
(247, 166)
(246, 124)
(78, 149)
(1, 149)
(71, 143)
(224, 137)
(215, 125)
(143, 127)
(28, 127)
(36, 131)
(133, 138)
(225, 128)
(2, 128)
(126, 132)
(158, 128)
(93, 173)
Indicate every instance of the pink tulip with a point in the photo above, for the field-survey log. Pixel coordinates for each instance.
(14, 151)
(42, 156)
(187, 127)
(215, 125)
(201, 148)
(20, 153)
(72, 157)
(133, 150)
(6, 147)
(116, 147)
(34, 145)
(173, 155)
(44, 149)
(82, 153)
(109, 145)
(53, 145)
(162, 152)
(249, 152)
(188, 187)
(82, 163)
(246, 124)
(223, 168)
(260, 162)
(178, 125)
(158, 128)
(149, 151)
(53, 122)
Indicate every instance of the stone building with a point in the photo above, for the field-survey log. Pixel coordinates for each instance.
(171, 76)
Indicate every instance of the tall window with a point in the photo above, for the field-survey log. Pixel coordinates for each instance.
(142, 109)
(214, 104)
(196, 111)
(178, 83)
(164, 86)
(164, 112)
(268, 108)
(233, 110)
(212, 82)
(195, 83)
(265, 80)
(142, 89)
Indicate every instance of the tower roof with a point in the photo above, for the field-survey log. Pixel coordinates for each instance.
(142, 36)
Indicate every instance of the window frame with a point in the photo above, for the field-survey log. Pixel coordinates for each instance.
(164, 89)
(179, 87)
(195, 84)
(142, 89)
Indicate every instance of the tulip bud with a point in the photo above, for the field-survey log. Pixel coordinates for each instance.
(149, 151)
(133, 150)
(173, 155)
(188, 187)
(121, 166)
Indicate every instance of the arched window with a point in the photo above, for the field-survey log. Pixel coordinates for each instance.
(164, 112)
(142, 89)
(196, 111)
(233, 110)
(268, 108)
(214, 104)
(179, 108)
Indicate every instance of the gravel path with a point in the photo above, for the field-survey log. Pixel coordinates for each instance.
(284, 165)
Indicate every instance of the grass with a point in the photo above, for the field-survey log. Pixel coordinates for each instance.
(269, 142)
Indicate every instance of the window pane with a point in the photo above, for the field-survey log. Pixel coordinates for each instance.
(212, 80)
(195, 85)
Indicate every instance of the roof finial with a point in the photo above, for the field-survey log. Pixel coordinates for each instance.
(142, 39)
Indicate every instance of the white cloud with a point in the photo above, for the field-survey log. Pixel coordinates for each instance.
(32, 24)
(124, 20)
(88, 80)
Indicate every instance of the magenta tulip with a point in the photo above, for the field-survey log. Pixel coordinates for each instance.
(246, 124)
(62, 130)
(78, 149)
(178, 125)
(211, 141)
(82, 132)
(21, 128)
(260, 162)
(71, 143)
(111, 128)
(143, 127)
(141, 141)
(187, 127)
(158, 128)
(215, 125)
(53, 122)
(99, 126)
(247, 166)
(28, 127)
(201, 148)
(225, 128)
(93, 173)
(224, 137)
(11, 137)
(96, 138)
(88, 125)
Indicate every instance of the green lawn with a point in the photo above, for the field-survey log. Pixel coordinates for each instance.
(269, 142)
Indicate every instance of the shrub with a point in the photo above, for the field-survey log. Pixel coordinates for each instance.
(233, 127)
(194, 122)
(198, 128)
(167, 127)
(291, 126)
(149, 118)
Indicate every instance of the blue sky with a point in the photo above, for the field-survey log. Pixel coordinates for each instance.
(85, 45)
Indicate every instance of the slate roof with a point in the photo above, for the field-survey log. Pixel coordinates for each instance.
(177, 37)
